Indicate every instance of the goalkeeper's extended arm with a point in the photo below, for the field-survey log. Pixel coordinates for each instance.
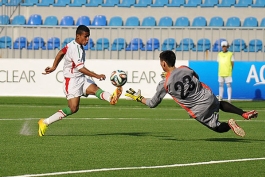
(135, 96)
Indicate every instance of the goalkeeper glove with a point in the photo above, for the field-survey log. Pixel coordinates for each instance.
(163, 75)
(133, 95)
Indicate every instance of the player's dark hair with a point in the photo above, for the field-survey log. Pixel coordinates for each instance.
(169, 57)
(82, 28)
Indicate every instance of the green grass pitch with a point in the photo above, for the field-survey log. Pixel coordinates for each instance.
(128, 134)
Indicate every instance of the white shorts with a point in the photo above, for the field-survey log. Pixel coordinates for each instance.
(227, 79)
(76, 87)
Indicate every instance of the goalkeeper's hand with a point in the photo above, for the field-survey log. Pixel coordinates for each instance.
(163, 75)
(133, 95)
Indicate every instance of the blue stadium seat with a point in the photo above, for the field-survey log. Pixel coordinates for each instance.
(45, 3)
(255, 45)
(99, 20)
(19, 20)
(182, 21)
(217, 45)
(152, 44)
(135, 44)
(143, 3)
(199, 21)
(36, 44)
(159, 3)
(66, 41)
(216, 21)
(237, 45)
(51, 21)
(67, 21)
(259, 3)
(250, 22)
(94, 3)
(233, 22)
(5, 42)
(110, 3)
(185, 44)
(62, 3)
(127, 3)
(102, 44)
(13, 2)
(165, 21)
(168, 44)
(34, 19)
(90, 45)
(209, 3)
(20, 43)
(243, 3)
(193, 3)
(4, 20)
(176, 3)
(149, 21)
(3, 2)
(118, 44)
(262, 23)
(226, 3)
(29, 2)
(78, 3)
(132, 21)
(83, 20)
(202, 45)
(115, 21)
(52, 43)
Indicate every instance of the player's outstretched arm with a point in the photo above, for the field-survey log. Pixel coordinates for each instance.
(56, 62)
(85, 71)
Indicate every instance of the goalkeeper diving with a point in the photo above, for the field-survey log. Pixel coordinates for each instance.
(191, 94)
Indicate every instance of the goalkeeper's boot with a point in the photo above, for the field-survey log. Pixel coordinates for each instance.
(42, 127)
(236, 129)
(250, 114)
(116, 95)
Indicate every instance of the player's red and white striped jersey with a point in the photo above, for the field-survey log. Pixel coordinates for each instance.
(74, 59)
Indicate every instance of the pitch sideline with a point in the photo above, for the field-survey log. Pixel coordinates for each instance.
(141, 168)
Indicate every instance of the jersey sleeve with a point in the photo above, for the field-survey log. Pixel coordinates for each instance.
(232, 58)
(77, 58)
(64, 50)
(159, 95)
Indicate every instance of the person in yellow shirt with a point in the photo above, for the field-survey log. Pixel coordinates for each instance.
(225, 66)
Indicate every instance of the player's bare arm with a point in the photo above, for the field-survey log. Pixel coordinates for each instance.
(85, 71)
(56, 62)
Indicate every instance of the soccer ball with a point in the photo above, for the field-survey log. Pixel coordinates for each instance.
(118, 78)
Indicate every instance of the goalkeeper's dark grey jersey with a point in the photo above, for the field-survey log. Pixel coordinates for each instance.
(185, 88)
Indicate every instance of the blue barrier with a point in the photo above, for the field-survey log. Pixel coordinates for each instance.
(248, 78)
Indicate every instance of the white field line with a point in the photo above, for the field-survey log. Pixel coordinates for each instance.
(106, 118)
(142, 167)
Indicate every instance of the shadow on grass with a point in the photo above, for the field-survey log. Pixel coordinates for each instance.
(124, 134)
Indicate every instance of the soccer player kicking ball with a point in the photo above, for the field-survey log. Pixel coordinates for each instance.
(75, 83)
(196, 98)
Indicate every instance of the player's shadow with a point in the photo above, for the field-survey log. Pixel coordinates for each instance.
(243, 140)
(123, 134)
(258, 95)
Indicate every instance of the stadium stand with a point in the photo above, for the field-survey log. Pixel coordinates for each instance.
(185, 44)
(135, 44)
(36, 44)
(67, 40)
(168, 44)
(20, 43)
(5, 42)
(237, 45)
(233, 22)
(45, 3)
(255, 45)
(35, 19)
(18, 20)
(90, 45)
(209, 3)
(99, 20)
(110, 3)
(118, 44)
(52, 43)
(94, 3)
(62, 3)
(102, 44)
(182, 21)
(151, 45)
(217, 45)
(250, 22)
(126, 3)
(165, 21)
(259, 4)
(193, 3)
(216, 21)
(202, 45)
(132, 21)
(143, 3)
(29, 2)
(83, 20)
(243, 3)
(4, 20)
(227, 3)
(67, 21)
(149, 21)
(77, 3)
(115, 21)
(3, 2)
(159, 3)
(262, 23)
(176, 3)
(199, 21)
(13, 2)
(51, 21)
